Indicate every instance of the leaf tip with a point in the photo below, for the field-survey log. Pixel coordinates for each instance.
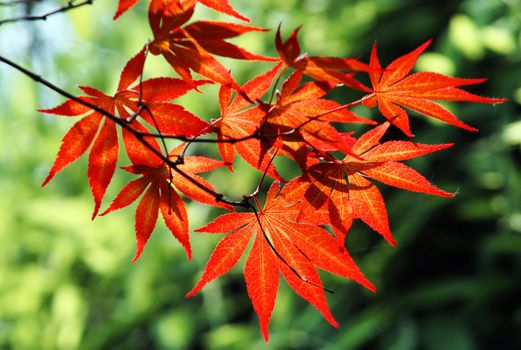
(361, 279)
(97, 205)
(333, 322)
(138, 254)
(188, 252)
(47, 179)
(470, 128)
(265, 334)
(140, 246)
(191, 293)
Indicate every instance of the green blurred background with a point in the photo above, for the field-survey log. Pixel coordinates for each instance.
(454, 282)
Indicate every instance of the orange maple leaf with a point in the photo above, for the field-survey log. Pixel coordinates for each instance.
(337, 191)
(281, 246)
(168, 7)
(158, 183)
(160, 114)
(393, 87)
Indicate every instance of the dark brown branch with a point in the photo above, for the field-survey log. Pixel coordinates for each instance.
(71, 4)
(121, 122)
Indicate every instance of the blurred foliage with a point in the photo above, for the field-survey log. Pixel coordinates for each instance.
(453, 282)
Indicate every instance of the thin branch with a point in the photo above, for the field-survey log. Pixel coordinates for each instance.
(121, 122)
(274, 89)
(141, 105)
(156, 126)
(347, 105)
(256, 192)
(195, 139)
(318, 116)
(144, 107)
(258, 134)
(140, 108)
(71, 4)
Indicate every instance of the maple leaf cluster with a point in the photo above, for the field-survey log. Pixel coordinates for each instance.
(303, 224)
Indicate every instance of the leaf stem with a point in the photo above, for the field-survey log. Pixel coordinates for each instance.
(256, 192)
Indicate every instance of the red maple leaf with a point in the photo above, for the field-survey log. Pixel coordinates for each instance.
(240, 120)
(301, 118)
(163, 116)
(393, 87)
(124, 6)
(167, 7)
(192, 47)
(297, 122)
(158, 183)
(283, 246)
(337, 191)
(331, 69)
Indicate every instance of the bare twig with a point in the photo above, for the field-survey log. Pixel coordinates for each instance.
(71, 4)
